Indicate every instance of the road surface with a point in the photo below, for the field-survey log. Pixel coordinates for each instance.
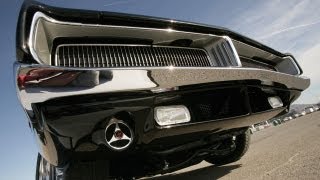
(288, 151)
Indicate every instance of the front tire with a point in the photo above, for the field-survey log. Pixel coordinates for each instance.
(242, 143)
(96, 170)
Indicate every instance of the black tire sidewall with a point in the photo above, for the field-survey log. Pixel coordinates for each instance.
(242, 145)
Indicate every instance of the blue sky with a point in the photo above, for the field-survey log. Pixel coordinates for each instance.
(289, 26)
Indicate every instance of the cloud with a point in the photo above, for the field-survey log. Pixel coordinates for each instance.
(287, 26)
(267, 18)
(117, 2)
(289, 29)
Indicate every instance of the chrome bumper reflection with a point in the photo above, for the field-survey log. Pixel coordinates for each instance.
(38, 83)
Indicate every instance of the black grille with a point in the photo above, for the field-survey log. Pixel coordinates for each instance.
(256, 64)
(218, 104)
(129, 56)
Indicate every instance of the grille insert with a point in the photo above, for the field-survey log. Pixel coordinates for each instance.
(129, 56)
(224, 55)
(217, 104)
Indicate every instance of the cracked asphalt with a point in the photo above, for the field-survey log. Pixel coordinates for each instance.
(288, 151)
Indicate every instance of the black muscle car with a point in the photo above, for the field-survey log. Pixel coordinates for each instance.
(112, 95)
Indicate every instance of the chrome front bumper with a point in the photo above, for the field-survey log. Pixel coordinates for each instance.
(49, 82)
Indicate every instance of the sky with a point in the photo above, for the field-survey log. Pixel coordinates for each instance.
(288, 26)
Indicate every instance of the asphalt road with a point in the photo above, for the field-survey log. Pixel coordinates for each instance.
(288, 151)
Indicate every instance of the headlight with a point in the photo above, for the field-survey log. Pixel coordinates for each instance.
(168, 115)
(275, 102)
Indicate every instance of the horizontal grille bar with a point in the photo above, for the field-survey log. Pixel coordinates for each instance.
(129, 56)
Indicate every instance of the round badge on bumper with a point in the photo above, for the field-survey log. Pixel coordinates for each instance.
(118, 135)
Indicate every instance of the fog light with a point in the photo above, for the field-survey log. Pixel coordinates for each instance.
(168, 115)
(275, 102)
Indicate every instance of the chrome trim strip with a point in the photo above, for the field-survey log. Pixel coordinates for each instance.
(45, 85)
(238, 45)
(38, 15)
(229, 41)
(197, 36)
(32, 34)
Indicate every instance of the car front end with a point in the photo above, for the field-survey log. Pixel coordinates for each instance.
(147, 95)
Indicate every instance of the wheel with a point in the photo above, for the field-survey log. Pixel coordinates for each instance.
(97, 170)
(87, 170)
(45, 171)
(241, 143)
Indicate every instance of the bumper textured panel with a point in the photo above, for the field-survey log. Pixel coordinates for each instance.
(39, 83)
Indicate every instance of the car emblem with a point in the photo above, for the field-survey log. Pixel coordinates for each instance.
(118, 135)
